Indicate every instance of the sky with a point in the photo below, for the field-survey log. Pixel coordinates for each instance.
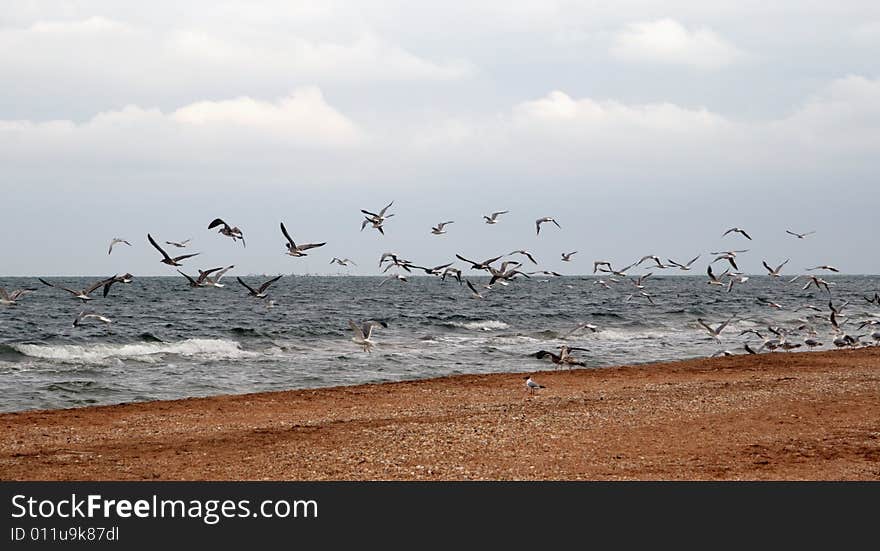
(641, 127)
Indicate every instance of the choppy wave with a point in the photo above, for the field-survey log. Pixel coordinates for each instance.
(478, 325)
(97, 353)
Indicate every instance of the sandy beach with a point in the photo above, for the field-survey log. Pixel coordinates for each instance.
(779, 416)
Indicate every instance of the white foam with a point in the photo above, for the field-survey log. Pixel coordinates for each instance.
(98, 353)
(480, 325)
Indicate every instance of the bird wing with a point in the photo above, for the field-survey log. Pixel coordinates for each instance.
(703, 323)
(153, 241)
(248, 287)
(4, 294)
(97, 284)
(358, 332)
(216, 222)
(471, 285)
(287, 235)
(222, 272)
(311, 246)
(382, 212)
(557, 223)
(769, 269)
(458, 256)
(266, 284)
(182, 257)
(191, 280)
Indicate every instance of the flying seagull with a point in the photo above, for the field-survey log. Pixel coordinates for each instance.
(716, 331)
(297, 250)
(438, 229)
(531, 385)
(203, 276)
(493, 219)
(684, 267)
(83, 294)
(363, 333)
(124, 278)
(9, 299)
(86, 315)
(737, 230)
(527, 255)
(376, 219)
(484, 265)
(799, 235)
(824, 267)
(543, 220)
(342, 261)
(566, 257)
(167, 259)
(116, 240)
(475, 293)
(260, 292)
(774, 272)
(179, 244)
(227, 230)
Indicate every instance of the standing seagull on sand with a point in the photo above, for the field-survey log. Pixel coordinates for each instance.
(494, 218)
(363, 333)
(737, 230)
(260, 292)
(531, 385)
(543, 220)
(438, 229)
(227, 230)
(167, 259)
(116, 240)
(297, 250)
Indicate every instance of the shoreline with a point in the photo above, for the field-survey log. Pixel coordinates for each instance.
(779, 416)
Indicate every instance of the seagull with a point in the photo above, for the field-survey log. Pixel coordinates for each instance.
(737, 230)
(260, 292)
(580, 326)
(770, 303)
(455, 273)
(799, 235)
(391, 277)
(526, 253)
(824, 267)
(364, 332)
(774, 272)
(684, 267)
(531, 385)
(215, 281)
(712, 279)
(484, 265)
(639, 282)
(179, 244)
(819, 282)
(749, 349)
(83, 294)
(875, 300)
(475, 293)
(167, 259)
(376, 219)
(342, 261)
(540, 221)
(124, 278)
(563, 358)
(716, 332)
(728, 256)
(494, 218)
(85, 315)
(438, 229)
(621, 272)
(297, 250)
(226, 230)
(436, 270)
(10, 299)
(116, 240)
(566, 257)
(200, 281)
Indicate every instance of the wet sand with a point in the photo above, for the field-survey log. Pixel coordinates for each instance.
(779, 416)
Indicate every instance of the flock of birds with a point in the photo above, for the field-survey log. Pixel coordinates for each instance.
(503, 269)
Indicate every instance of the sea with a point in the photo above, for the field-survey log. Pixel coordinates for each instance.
(167, 340)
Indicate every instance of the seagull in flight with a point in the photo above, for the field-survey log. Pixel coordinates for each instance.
(683, 267)
(167, 259)
(363, 333)
(376, 219)
(124, 278)
(10, 299)
(484, 265)
(475, 293)
(799, 235)
(297, 250)
(774, 272)
(716, 331)
(544, 220)
(116, 240)
(713, 280)
(494, 218)
(823, 267)
(179, 244)
(737, 230)
(527, 255)
(438, 229)
(83, 294)
(200, 281)
(86, 315)
(342, 261)
(566, 257)
(259, 292)
(393, 277)
(227, 230)
(580, 326)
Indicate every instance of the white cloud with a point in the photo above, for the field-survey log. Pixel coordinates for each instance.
(668, 41)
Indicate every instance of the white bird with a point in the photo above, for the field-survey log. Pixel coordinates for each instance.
(824, 267)
(85, 315)
(544, 220)
(297, 250)
(774, 272)
(474, 292)
(376, 219)
(716, 331)
(82, 294)
(799, 235)
(342, 261)
(684, 267)
(179, 244)
(438, 229)
(566, 257)
(200, 281)
(363, 333)
(580, 326)
(712, 279)
(737, 230)
(393, 277)
(116, 240)
(494, 218)
(215, 280)
(531, 385)
(10, 299)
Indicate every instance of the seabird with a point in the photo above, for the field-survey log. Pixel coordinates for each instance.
(566, 257)
(563, 358)
(799, 235)
(376, 219)
(737, 230)
(875, 299)
(363, 333)
(124, 278)
(438, 229)
(712, 279)
(342, 261)
(526, 253)
(10, 299)
(621, 272)
(436, 270)
(116, 240)
(227, 230)
(200, 281)
(531, 385)
(818, 282)
(812, 342)
(580, 326)
(770, 303)
(684, 267)
(260, 292)
(179, 244)
(475, 293)
(824, 267)
(774, 272)
(85, 315)
(297, 250)
(639, 282)
(749, 349)
(540, 221)
(83, 294)
(484, 265)
(392, 277)
(214, 281)
(167, 259)
(716, 331)
(494, 218)
(455, 273)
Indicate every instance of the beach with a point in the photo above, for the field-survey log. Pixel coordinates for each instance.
(775, 416)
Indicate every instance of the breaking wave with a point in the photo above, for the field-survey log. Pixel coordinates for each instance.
(74, 353)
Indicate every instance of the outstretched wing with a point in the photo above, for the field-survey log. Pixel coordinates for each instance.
(216, 222)
(358, 332)
(191, 280)
(153, 242)
(182, 257)
(246, 286)
(287, 236)
(311, 246)
(266, 284)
